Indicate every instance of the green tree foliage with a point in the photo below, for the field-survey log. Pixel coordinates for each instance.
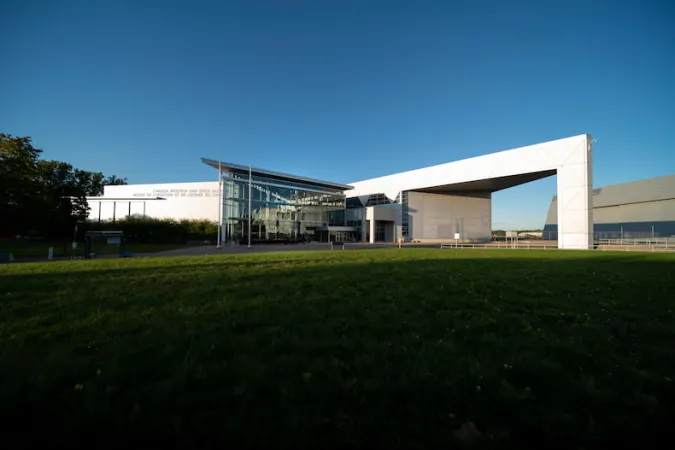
(61, 196)
(42, 197)
(114, 180)
(18, 171)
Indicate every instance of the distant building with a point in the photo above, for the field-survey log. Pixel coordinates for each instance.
(639, 209)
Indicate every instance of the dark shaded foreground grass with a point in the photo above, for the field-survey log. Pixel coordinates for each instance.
(372, 349)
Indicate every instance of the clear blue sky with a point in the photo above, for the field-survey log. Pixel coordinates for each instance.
(339, 89)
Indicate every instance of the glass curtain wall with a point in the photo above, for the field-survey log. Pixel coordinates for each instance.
(284, 211)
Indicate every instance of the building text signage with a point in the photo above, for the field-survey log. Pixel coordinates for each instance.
(177, 193)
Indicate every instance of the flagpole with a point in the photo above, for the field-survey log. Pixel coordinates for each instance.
(220, 205)
(250, 212)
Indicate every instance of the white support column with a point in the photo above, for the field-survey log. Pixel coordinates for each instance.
(575, 200)
(372, 229)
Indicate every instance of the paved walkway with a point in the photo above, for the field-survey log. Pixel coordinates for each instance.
(263, 248)
(204, 250)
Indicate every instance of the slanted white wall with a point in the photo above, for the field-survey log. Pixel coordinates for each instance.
(437, 217)
(182, 201)
(570, 157)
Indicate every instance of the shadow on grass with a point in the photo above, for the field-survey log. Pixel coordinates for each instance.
(294, 352)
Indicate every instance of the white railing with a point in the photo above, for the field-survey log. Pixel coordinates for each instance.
(664, 242)
(502, 246)
(644, 245)
(647, 244)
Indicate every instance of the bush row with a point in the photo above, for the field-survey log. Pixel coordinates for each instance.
(156, 231)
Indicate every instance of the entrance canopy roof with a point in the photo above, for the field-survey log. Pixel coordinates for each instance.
(243, 170)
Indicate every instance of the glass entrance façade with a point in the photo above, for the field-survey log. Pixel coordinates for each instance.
(281, 210)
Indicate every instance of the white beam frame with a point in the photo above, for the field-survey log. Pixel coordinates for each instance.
(570, 157)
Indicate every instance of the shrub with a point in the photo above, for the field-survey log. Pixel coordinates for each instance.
(156, 231)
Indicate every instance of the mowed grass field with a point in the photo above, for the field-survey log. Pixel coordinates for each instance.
(399, 348)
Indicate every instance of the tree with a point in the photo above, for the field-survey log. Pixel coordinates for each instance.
(91, 183)
(61, 196)
(114, 180)
(18, 168)
(45, 197)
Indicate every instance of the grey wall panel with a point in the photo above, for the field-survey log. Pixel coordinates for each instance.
(389, 230)
(439, 216)
(661, 188)
(661, 211)
(552, 216)
(642, 201)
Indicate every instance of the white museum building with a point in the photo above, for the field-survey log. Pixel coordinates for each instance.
(433, 204)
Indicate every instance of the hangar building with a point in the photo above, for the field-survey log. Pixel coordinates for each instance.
(635, 210)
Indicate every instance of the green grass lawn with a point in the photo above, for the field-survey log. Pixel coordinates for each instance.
(406, 348)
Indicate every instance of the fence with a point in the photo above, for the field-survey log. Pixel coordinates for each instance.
(650, 232)
(503, 245)
(648, 244)
(644, 245)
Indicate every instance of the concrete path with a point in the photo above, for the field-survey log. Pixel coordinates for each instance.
(264, 248)
(204, 250)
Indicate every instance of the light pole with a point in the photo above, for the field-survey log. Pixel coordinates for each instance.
(220, 206)
(250, 211)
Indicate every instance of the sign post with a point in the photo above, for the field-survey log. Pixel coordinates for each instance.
(457, 237)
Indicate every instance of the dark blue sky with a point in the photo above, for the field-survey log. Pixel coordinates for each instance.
(338, 89)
